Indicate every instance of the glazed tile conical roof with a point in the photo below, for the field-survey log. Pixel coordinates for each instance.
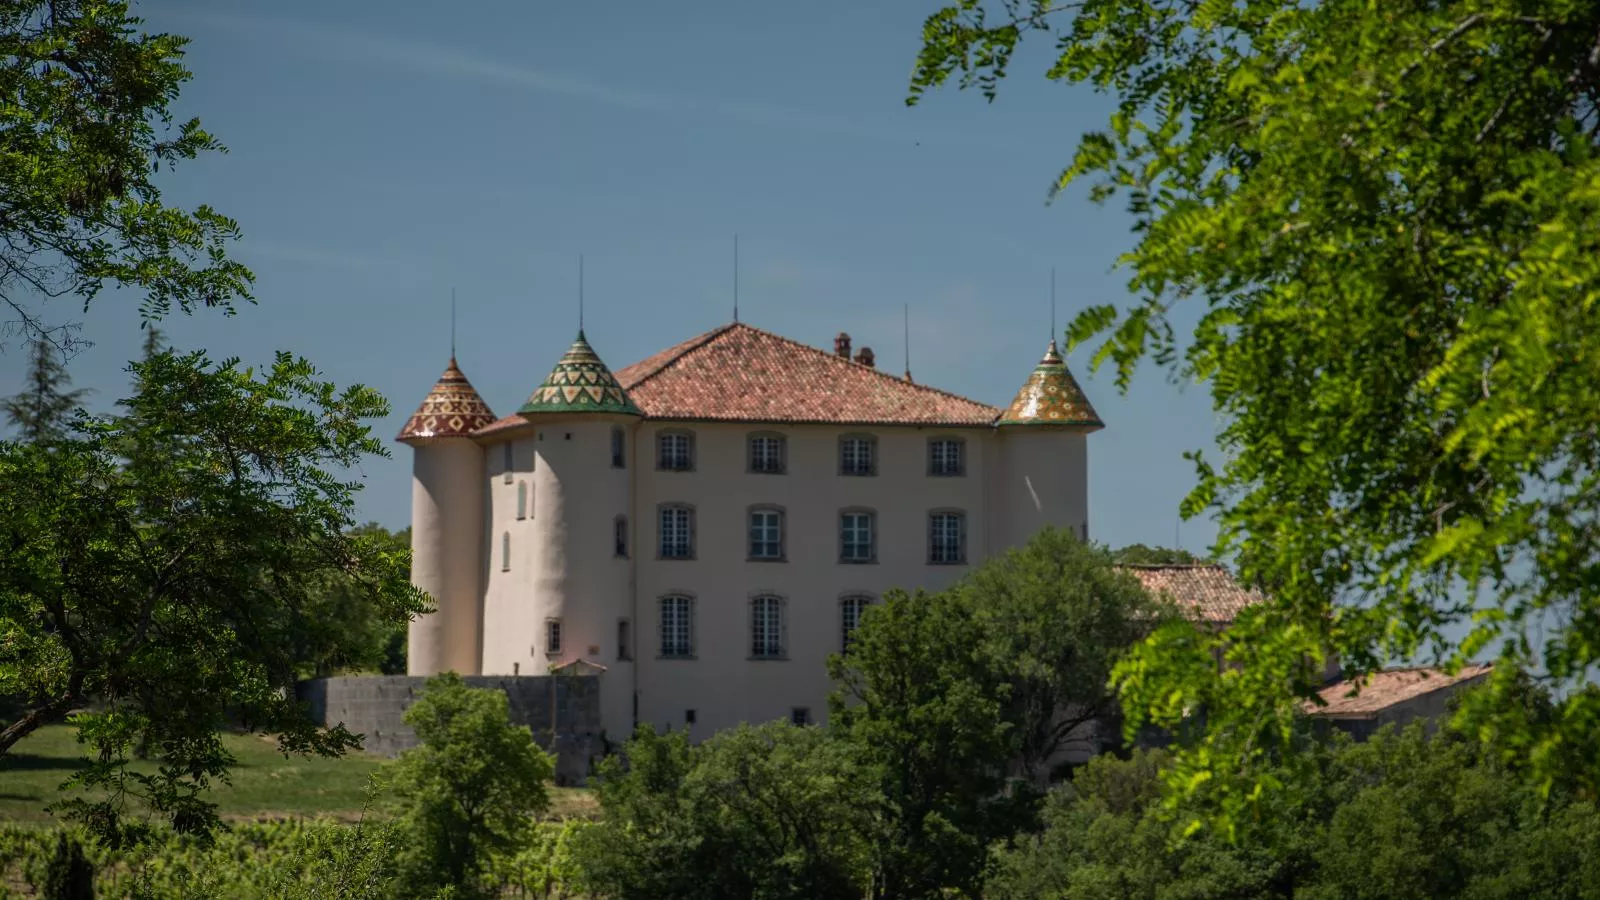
(452, 409)
(1051, 397)
(580, 382)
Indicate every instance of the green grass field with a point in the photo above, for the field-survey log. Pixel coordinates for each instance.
(265, 784)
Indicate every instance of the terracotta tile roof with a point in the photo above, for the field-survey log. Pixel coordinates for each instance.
(738, 373)
(1051, 396)
(509, 423)
(1207, 590)
(452, 409)
(1381, 690)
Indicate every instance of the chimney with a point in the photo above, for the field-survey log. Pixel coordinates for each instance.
(841, 345)
(864, 357)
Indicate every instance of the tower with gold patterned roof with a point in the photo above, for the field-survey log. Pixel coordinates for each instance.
(1044, 456)
(565, 592)
(447, 525)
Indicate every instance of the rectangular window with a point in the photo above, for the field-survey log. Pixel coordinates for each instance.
(800, 716)
(522, 500)
(766, 534)
(619, 456)
(945, 458)
(688, 717)
(675, 452)
(552, 636)
(677, 627)
(505, 458)
(620, 537)
(857, 456)
(766, 628)
(856, 537)
(505, 552)
(766, 454)
(624, 639)
(850, 610)
(677, 532)
(946, 538)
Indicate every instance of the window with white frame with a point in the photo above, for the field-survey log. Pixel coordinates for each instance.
(766, 533)
(552, 637)
(947, 457)
(857, 540)
(677, 532)
(619, 453)
(675, 451)
(858, 455)
(766, 627)
(947, 533)
(850, 610)
(677, 626)
(767, 454)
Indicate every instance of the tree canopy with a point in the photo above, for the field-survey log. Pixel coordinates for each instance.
(87, 125)
(175, 597)
(42, 410)
(1389, 216)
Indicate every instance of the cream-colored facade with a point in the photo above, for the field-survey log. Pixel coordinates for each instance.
(542, 540)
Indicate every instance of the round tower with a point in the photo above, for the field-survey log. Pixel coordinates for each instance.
(579, 542)
(447, 473)
(1044, 454)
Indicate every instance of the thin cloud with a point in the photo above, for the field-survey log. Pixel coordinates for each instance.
(431, 58)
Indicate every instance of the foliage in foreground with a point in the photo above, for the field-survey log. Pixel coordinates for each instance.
(86, 127)
(1400, 816)
(1390, 213)
(468, 793)
(167, 596)
(766, 812)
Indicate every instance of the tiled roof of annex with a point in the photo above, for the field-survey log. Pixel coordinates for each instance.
(1206, 590)
(739, 373)
(1381, 690)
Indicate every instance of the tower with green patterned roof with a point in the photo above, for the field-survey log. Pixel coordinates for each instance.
(567, 583)
(1044, 453)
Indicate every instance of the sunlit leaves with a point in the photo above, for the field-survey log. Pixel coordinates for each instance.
(1391, 214)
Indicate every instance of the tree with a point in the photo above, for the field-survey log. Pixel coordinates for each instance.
(1053, 617)
(967, 700)
(87, 126)
(42, 412)
(469, 790)
(368, 640)
(1141, 555)
(170, 597)
(1390, 214)
(1402, 815)
(772, 812)
(919, 699)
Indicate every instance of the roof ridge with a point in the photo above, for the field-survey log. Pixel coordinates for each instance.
(848, 361)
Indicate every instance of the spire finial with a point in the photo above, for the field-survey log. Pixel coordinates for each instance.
(736, 276)
(1052, 304)
(908, 340)
(580, 293)
(452, 326)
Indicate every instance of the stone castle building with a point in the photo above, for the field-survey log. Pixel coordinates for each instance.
(702, 529)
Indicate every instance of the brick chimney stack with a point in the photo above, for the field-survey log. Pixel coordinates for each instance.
(841, 345)
(864, 357)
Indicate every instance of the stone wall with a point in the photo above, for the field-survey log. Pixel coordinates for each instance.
(372, 706)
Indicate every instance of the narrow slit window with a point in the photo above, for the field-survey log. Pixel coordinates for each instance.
(620, 537)
(505, 552)
(552, 637)
(624, 640)
(619, 457)
(522, 500)
(506, 462)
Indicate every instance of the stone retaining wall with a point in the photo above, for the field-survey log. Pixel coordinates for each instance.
(371, 706)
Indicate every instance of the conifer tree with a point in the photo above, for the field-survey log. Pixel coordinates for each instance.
(41, 411)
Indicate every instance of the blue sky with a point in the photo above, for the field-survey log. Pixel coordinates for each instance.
(383, 154)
